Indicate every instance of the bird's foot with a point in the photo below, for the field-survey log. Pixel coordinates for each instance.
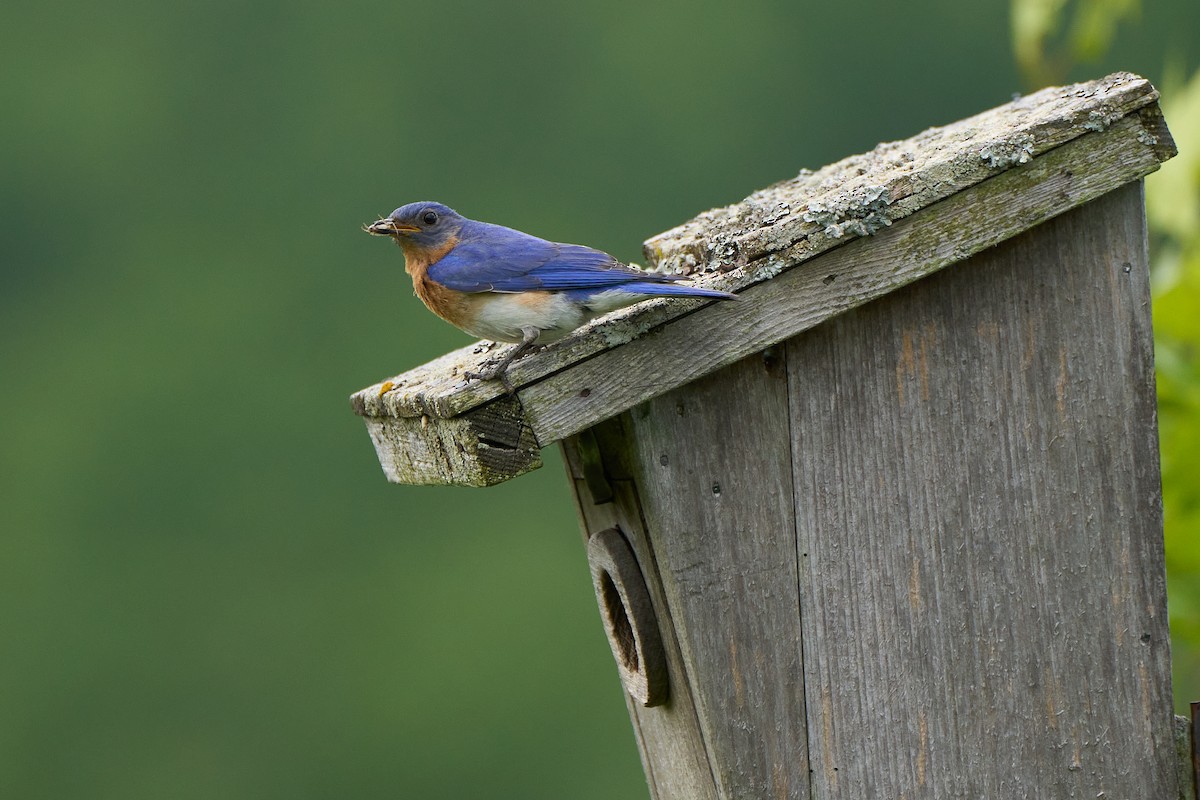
(497, 371)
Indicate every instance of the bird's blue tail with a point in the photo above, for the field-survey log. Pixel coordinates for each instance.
(673, 290)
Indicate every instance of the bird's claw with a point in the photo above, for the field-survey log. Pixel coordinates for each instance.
(493, 373)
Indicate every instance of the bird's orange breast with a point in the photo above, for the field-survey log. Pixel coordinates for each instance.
(457, 308)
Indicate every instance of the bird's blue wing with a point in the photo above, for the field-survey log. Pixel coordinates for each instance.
(491, 258)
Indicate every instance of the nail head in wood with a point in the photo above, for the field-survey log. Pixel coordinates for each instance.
(628, 616)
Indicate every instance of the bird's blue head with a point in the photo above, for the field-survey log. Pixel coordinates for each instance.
(423, 226)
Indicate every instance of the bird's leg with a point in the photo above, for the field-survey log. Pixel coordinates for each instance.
(499, 370)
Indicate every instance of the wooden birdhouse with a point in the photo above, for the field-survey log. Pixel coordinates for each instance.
(891, 525)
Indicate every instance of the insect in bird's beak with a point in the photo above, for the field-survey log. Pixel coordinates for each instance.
(388, 227)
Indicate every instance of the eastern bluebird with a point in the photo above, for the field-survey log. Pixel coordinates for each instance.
(498, 283)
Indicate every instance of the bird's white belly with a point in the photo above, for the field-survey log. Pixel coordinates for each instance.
(502, 317)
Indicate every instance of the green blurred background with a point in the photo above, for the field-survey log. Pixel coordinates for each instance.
(208, 589)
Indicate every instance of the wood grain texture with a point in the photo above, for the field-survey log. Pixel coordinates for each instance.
(629, 617)
(916, 551)
(706, 490)
(574, 394)
(758, 239)
(712, 465)
(841, 279)
(669, 736)
(863, 193)
(980, 527)
(483, 447)
(1188, 770)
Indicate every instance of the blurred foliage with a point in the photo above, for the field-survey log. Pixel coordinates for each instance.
(208, 590)
(1046, 46)
(1173, 216)
(1173, 212)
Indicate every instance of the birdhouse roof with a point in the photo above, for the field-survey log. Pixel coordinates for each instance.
(798, 252)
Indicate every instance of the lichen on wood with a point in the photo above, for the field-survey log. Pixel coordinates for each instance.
(896, 178)
(1043, 154)
(484, 446)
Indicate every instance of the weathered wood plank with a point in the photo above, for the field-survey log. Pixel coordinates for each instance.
(484, 446)
(1186, 766)
(712, 464)
(844, 278)
(669, 736)
(863, 193)
(916, 551)
(561, 403)
(980, 529)
(712, 513)
(749, 244)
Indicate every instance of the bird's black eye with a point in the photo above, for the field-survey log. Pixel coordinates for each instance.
(429, 218)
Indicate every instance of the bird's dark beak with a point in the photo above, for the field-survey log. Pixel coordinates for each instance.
(388, 227)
